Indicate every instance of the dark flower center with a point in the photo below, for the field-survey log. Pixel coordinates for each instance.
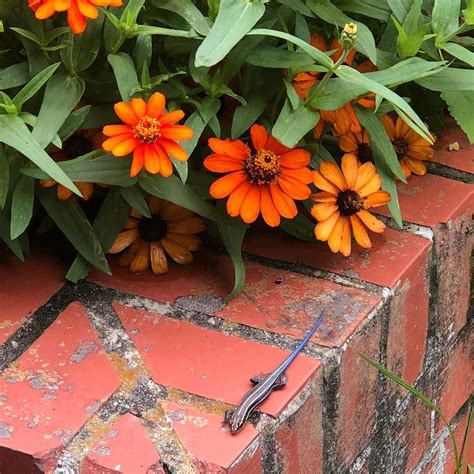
(76, 146)
(364, 152)
(349, 202)
(263, 167)
(401, 147)
(152, 230)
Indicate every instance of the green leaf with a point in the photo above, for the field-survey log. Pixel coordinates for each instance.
(82, 50)
(292, 125)
(328, 12)
(71, 220)
(300, 227)
(125, 74)
(400, 8)
(133, 195)
(411, 118)
(460, 52)
(73, 122)
(461, 105)
(246, 115)
(14, 133)
(157, 30)
(13, 245)
(469, 12)
(232, 234)
(4, 176)
(22, 206)
(198, 121)
(14, 76)
(187, 10)
(34, 85)
(449, 79)
(234, 20)
(385, 158)
(172, 189)
(271, 57)
(445, 17)
(143, 51)
(107, 225)
(62, 94)
(318, 56)
(95, 167)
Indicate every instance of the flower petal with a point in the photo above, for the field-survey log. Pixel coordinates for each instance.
(269, 212)
(171, 117)
(371, 187)
(177, 132)
(77, 21)
(379, 198)
(178, 253)
(364, 174)
(283, 203)
(224, 186)
(335, 238)
(113, 130)
(374, 224)
(194, 225)
(360, 234)
(259, 137)
(124, 239)
(126, 114)
(112, 142)
(323, 229)
(275, 146)
(125, 148)
(142, 258)
(151, 159)
(138, 161)
(295, 159)
(349, 142)
(86, 190)
(417, 166)
(234, 203)
(323, 196)
(159, 263)
(250, 208)
(293, 187)
(304, 175)
(323, 211)
(156, 105)
(222, 163)
(322, 183)
(332, 173)
(349, 167)
(188, 241)
(173, 149)
(138, 106)
(346, 237)
(88, 10)
(236, 148)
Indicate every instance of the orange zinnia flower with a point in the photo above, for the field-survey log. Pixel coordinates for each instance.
(78, 11)
(411, 148)
(149, 133)
(80, 143)
(343, 203)
(170, 230)
(357, 144)
(266, 181)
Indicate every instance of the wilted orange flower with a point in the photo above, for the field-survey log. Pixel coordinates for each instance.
(78, 11)
(411, 149)
(171, 230)
(80, 143)
(149, 133)
(343, 202)
(265, 181)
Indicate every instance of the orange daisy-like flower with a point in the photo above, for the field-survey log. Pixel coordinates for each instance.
(343, 202)
(411, 149)
(80, 143)
(149, 133)
(357, 144)
(78, 11)
(266, 181)
(170, 230)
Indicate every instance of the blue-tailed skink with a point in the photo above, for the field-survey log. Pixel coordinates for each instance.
(264, 385)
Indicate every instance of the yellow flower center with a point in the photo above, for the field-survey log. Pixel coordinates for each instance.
(147, 130)
(349, 202)
(263, 167)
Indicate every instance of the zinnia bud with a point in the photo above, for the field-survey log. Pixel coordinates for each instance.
(349, 35)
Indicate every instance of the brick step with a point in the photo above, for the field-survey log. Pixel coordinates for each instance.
(133, 373)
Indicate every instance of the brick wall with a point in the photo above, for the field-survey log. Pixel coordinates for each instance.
(133, 373)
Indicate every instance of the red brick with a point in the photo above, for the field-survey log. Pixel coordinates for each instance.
(357, 393)
(126, 448)
(456, 379)
(209, 363)
(462, 159)
(211, 445)
(289, 308)
(48, 394)
(446, 206)
(385, 264)
(408, 322)
(25, 287)
(299, 440)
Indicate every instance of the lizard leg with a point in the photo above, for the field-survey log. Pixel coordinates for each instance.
(227, 417)
(279, 383)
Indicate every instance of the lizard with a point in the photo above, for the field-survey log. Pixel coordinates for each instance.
(264, 384)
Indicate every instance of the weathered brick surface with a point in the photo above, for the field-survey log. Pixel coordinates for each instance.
(140, 364)
(51, 391)
(25, 287)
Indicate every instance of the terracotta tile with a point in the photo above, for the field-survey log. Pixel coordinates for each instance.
(209, 363)
(126, 449)
(25, 287)
(49, 392)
